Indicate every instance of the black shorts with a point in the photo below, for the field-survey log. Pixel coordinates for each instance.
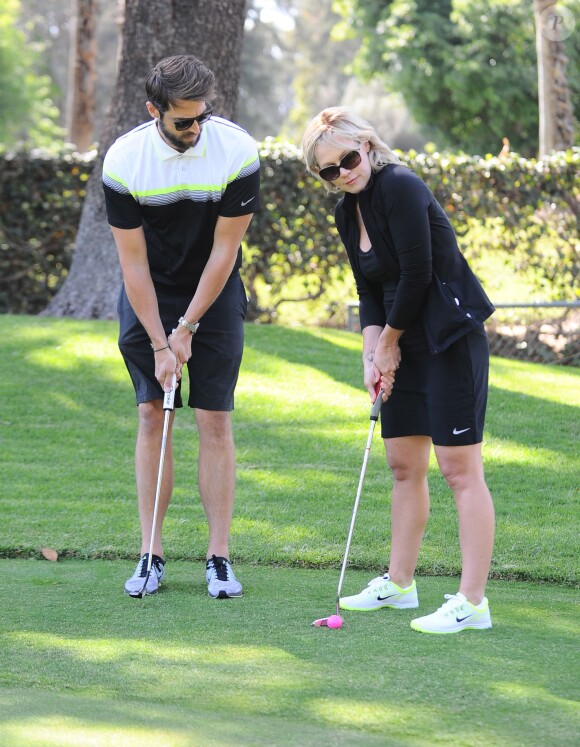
(443, 396)
(216, 348)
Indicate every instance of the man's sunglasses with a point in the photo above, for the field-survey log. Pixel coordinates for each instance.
(350, 161)
(184, 124)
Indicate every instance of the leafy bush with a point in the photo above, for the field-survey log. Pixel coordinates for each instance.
(41, 199)
(527, 209)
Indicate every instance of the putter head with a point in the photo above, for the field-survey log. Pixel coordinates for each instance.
(335, 622)
(143, 593)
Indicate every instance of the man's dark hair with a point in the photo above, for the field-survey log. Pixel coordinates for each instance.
(180, 77)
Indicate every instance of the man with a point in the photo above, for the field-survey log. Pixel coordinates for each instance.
(180, 191)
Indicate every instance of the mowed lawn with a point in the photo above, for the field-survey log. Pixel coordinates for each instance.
(83, 664)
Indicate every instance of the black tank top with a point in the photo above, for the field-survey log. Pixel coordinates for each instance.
(412, 341)
(373, 270)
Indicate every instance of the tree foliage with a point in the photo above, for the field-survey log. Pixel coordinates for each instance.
(292, 66)
(466, 68)
(319, 62)
(266, 76)
(27, 115)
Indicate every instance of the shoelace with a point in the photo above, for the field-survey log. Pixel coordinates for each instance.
(452, 604)
(219, 566)
(143, 569)
(156, 564)
(378, 581)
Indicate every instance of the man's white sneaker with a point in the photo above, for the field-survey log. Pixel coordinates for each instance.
(221, 579)
(134, 585)
(382, 592)
(455, 615)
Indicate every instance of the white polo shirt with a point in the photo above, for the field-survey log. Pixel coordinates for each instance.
(178, 197)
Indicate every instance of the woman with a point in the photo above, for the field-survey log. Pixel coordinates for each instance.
(421, 313)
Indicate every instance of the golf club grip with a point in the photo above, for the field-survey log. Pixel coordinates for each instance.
(376, 408)
(169, 397)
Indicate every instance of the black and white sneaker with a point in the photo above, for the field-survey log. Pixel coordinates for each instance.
(134, 585)
(221, 579)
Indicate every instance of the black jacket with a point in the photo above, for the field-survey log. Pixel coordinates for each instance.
(412, 236)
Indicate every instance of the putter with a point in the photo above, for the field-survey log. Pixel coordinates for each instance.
(336, 620)
(168, 403)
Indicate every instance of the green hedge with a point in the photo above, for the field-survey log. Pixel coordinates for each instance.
(528, 207)
(41, 198)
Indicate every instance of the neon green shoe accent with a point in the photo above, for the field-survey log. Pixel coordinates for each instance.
(455, 615)
(382, 592)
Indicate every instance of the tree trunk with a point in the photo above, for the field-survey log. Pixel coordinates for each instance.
(211, 30)
(555, 108)
(82, 75)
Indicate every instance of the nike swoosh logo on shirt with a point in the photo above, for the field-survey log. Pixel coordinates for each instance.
(456, 432)
(248, 201)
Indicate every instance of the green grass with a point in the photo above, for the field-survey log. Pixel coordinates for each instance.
(84, 665)
(301, 421)
(83, 662)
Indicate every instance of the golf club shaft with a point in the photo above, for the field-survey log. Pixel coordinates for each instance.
(168, 402)
(376, 408)
(354, 513)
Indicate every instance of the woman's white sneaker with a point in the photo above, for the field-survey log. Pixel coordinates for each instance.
(455, 615)
(382, 592)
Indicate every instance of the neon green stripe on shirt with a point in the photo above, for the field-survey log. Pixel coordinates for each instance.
(180, 188)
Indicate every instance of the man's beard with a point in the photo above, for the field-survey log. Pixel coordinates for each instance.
(175, 140)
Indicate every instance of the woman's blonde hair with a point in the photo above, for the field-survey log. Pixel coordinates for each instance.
(340, 121)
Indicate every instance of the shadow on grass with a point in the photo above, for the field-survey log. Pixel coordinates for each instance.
(77, 367)
(80, 658)
(68, 456)
(306, 347)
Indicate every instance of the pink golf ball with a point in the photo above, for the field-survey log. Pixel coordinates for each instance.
(335, 621)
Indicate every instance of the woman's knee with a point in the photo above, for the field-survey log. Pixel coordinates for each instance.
(406, 468)
(461, 466)
(408, 458)
(455, 477)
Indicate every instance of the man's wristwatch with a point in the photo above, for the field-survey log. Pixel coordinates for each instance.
(188, 325)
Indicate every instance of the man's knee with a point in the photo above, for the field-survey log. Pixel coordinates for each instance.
(150, 416)
(214, 425)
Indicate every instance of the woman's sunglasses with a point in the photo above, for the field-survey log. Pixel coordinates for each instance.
(184, 124)
(350, 161)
